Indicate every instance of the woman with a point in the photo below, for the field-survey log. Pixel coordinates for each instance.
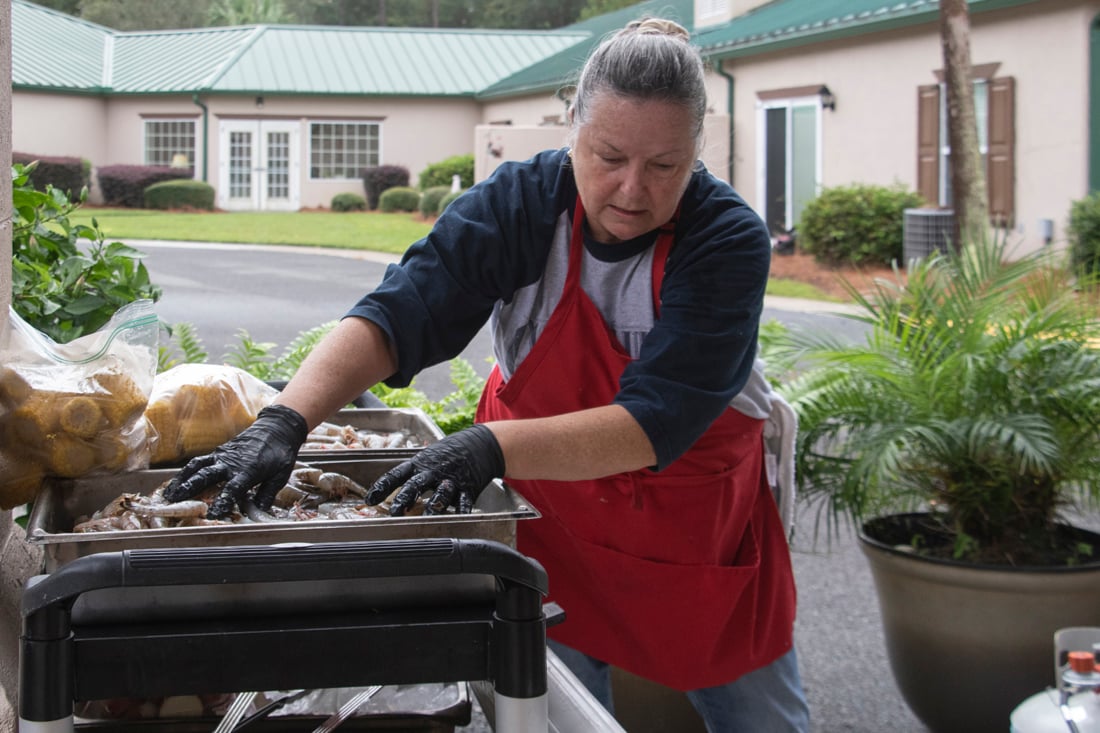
(624, 285)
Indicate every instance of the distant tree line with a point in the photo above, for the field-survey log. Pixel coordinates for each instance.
(128, 15)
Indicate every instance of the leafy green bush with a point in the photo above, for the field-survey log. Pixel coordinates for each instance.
(184, 193)
(441, 173)
(69, 174)
(124, 185)
(446, 200)
(857, 224)
(429, 200)
(1084, 234)
(348, 202)
(377, 179)
(399, 198)
(60, 289)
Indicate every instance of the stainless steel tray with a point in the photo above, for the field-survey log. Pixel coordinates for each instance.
(62, 501)
(428, 708)
(382, 420)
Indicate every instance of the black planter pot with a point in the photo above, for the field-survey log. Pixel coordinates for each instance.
(966, 643)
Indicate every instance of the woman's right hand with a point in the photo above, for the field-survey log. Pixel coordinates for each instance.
(261, 456)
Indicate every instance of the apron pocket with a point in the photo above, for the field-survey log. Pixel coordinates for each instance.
(693, 625)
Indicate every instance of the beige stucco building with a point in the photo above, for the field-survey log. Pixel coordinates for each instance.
(804, 95)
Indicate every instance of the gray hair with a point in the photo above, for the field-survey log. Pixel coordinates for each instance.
(649, 59)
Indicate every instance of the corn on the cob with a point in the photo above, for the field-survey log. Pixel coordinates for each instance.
(81, 416)
(111, 453)
(68, 456)
(35, 418)
(119, 397)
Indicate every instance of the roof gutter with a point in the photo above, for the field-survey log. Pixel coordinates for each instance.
(729, 111)
(205, 129)
(900, 15)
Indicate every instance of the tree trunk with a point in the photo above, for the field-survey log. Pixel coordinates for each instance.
(968, 193)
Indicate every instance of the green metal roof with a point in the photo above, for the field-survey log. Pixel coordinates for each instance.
(555, 71)
(393, 61)
(783, 23)
(54, 50)
(174, 61)
(51, 50)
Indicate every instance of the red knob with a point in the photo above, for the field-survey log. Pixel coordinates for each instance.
(1082, 662)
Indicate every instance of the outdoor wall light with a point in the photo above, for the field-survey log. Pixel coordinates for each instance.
(260, 102)
(828, 101)
(1046, 230)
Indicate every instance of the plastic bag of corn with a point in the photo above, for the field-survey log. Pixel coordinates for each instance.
(74, 409)
(194, 408)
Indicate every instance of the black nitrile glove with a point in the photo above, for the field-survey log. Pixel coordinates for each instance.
(262, 455)
(456, 468)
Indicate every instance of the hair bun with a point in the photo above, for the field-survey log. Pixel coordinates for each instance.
(657, 27)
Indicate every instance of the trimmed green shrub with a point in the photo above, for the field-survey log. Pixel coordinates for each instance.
(399, 198)
(429, 200)
(124, 185)
(1084, 234)
(64, 173)
(180, 194)
(860, 224)
(379, 178)
(348, 202)
(441, 173)
(446, 200)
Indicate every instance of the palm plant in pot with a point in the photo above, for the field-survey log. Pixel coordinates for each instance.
(962, 440)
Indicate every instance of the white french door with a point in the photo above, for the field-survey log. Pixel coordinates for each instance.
(788, 159)
(260, 164)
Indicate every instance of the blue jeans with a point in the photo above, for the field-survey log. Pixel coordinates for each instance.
(766, 700)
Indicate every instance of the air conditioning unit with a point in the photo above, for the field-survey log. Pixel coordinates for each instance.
(926, 231)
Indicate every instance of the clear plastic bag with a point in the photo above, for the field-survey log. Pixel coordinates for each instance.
(194, 408)
(70, 410)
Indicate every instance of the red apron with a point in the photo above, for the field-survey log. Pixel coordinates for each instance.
(682, 577)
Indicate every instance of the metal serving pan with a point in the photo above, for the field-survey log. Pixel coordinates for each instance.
(61, 502)
(427, 708)
(379, 420)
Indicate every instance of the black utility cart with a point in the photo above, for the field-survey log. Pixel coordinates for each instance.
(190, 620)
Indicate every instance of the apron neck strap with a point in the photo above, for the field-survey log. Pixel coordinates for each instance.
(660, 250)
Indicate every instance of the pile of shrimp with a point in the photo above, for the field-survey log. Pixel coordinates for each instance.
(330, 436)
(310, 494)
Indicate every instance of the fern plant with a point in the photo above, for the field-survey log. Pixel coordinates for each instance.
(189, 348)
(976, 397)
(452, 413)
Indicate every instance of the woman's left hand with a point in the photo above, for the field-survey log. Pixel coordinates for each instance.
(456, 469)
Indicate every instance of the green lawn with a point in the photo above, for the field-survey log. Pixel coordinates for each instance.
(374, 231)
(391, 233)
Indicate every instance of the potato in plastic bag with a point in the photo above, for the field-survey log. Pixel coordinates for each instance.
(194, 408)
(74, 409)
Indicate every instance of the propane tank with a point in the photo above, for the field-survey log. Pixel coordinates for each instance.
(1072, 708)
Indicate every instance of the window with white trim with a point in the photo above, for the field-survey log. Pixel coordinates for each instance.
(711, 8)
(341, 150)
(167, 139)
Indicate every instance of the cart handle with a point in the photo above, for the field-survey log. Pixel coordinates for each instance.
(281, 562)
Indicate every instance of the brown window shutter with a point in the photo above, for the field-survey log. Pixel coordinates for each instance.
(1001, 160)
(928, 143)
